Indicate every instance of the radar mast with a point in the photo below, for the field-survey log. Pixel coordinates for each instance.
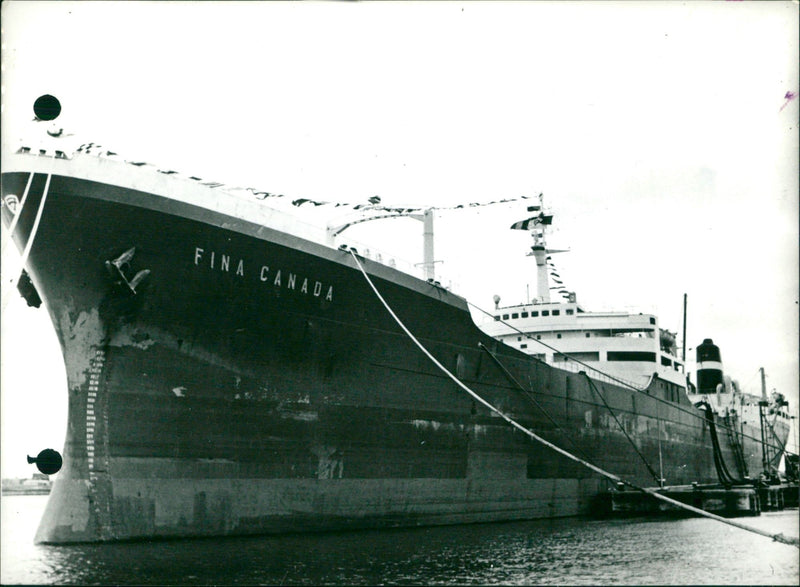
(538, 226)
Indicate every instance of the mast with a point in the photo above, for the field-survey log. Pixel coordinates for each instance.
(683, 346)
(539, 253)
(427, 238)
(537, 225)
(762, 417)
(660, 458)
(370, 213)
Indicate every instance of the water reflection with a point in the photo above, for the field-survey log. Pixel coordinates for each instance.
(689, 551)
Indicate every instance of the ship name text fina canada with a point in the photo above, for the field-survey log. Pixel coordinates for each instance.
(278, 278)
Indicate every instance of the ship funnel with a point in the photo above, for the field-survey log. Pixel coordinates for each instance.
(709, 368)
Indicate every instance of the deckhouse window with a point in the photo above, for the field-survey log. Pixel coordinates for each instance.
(505, 316)
(570, 312)
(535, 314)
(631, 356)
(514, 316)
(556, 312)
(524, 314)
(545, 312)
(497, 317)
(577, 355)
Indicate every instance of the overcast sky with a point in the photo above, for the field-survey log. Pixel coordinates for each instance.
(660, 134)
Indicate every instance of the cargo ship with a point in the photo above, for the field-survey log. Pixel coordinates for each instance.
(233, 371)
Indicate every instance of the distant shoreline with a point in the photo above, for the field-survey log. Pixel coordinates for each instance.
(5, 492)
(38, 485)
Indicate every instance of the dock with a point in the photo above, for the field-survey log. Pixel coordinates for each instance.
(729, 502)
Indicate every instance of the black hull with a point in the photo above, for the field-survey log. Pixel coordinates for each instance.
(254, 383)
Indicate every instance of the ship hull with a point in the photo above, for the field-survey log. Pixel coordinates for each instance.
(252, 382)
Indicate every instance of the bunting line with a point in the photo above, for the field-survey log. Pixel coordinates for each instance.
(374, 205)
(556, 278)
(373, 202)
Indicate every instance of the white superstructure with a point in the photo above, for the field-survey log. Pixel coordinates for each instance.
(628, 346)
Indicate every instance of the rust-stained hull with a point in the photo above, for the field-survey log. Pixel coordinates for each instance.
(253, 383)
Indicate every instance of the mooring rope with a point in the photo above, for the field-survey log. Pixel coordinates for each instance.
(529, 395)
(723, 473)
(776, 537)
(652, 471)
(621, 382)
(17, 214)
(29, 244)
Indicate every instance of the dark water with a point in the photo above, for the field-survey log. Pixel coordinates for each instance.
(688, 551)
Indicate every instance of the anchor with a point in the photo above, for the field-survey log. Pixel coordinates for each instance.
(121, 265)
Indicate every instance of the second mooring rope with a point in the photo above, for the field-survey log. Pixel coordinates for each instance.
(776, 537)
(31, 237)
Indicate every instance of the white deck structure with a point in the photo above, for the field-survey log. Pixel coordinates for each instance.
(627, 346)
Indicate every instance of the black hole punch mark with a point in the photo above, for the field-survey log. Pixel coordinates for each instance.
(47, 107)
(47, 461)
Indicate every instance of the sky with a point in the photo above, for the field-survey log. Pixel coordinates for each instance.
(663, 136)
